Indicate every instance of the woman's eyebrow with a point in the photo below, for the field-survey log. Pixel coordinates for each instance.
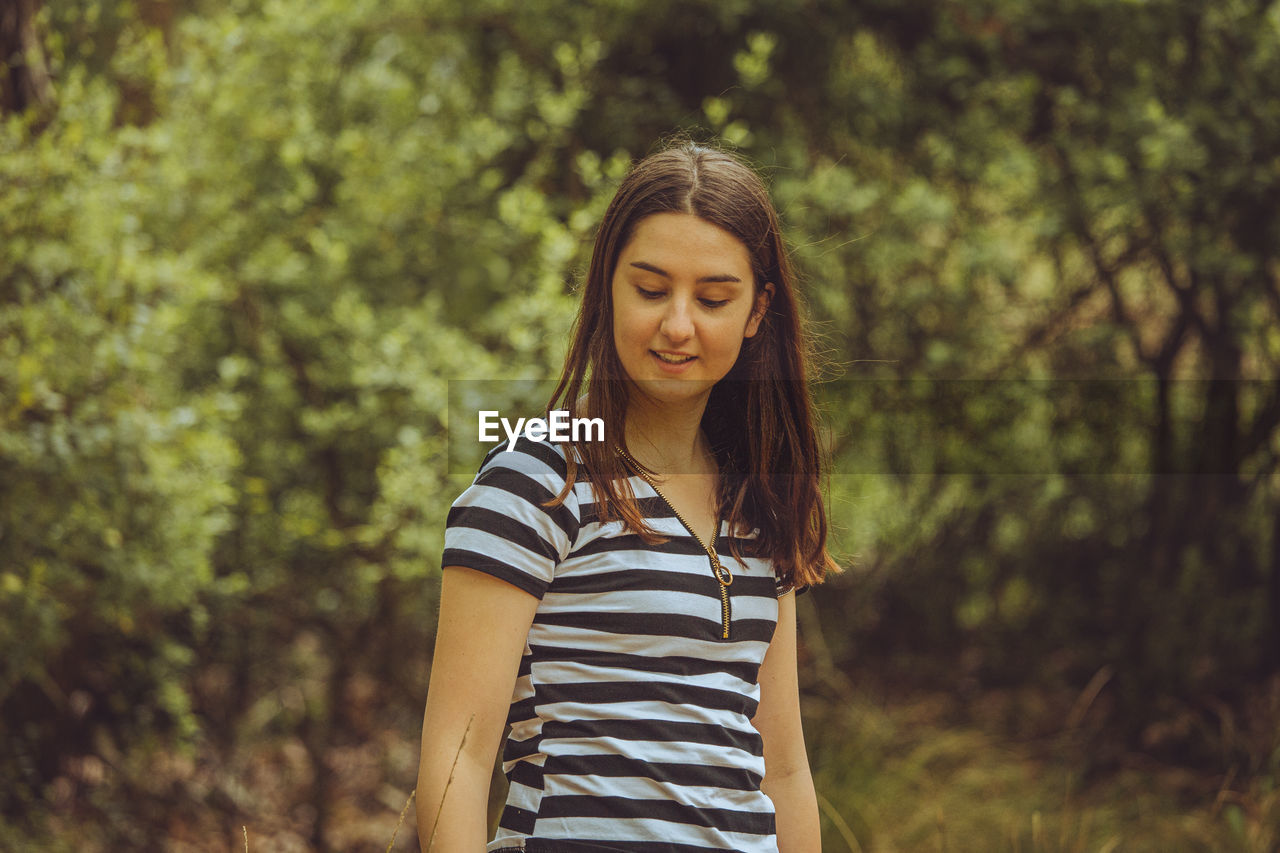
(711, 279)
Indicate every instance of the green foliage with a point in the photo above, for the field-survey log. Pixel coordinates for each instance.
(115, 480)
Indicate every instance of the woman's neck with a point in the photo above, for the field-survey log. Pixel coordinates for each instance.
(667, 438)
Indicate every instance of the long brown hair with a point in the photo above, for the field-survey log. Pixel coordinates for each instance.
(759, 419)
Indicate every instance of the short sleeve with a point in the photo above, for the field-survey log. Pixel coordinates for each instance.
(499, 525)
(786, 589)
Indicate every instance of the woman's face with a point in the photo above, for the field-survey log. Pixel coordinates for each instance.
(683, 302)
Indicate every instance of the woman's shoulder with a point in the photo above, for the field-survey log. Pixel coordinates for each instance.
(544, 461)
(520, 485)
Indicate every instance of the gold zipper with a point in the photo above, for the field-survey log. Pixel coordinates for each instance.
(723, 575)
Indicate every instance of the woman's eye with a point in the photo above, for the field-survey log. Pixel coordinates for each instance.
(649, 294)
(714, 303)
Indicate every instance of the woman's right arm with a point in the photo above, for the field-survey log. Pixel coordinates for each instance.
(481, 635)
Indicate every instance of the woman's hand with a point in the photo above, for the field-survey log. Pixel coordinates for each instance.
(484, 624)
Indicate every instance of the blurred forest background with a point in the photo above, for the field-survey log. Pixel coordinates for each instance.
(245, 244)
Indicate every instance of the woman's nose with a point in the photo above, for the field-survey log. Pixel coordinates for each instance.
(677, 322)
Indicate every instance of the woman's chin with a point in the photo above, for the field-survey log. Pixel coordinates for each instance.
(668, 391)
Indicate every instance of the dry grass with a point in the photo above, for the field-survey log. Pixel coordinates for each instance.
(902, 782)
(892, 778)
(404, 811)
(435, 823)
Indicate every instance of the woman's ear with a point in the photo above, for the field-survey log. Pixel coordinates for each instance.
(763, 298)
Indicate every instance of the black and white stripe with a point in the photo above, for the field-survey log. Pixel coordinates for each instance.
(631, 716)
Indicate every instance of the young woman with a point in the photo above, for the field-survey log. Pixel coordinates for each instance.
(628, 606)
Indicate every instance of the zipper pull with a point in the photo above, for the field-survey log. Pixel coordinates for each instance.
(722, 574)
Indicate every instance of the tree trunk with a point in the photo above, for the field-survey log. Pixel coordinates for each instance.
(1273, 600)
(25, 82)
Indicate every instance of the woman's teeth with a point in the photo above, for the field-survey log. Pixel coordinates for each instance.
(674, 359)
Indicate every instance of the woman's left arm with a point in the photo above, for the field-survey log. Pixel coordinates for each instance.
(787, 780)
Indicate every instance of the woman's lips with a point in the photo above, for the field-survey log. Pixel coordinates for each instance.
(670, 367)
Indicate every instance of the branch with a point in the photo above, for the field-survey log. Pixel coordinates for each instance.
(1119, 311)
(1264, 425)
(1037, 336)
(1272, 290)
(1185, 294)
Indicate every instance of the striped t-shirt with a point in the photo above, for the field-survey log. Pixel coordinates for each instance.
(631, 715)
